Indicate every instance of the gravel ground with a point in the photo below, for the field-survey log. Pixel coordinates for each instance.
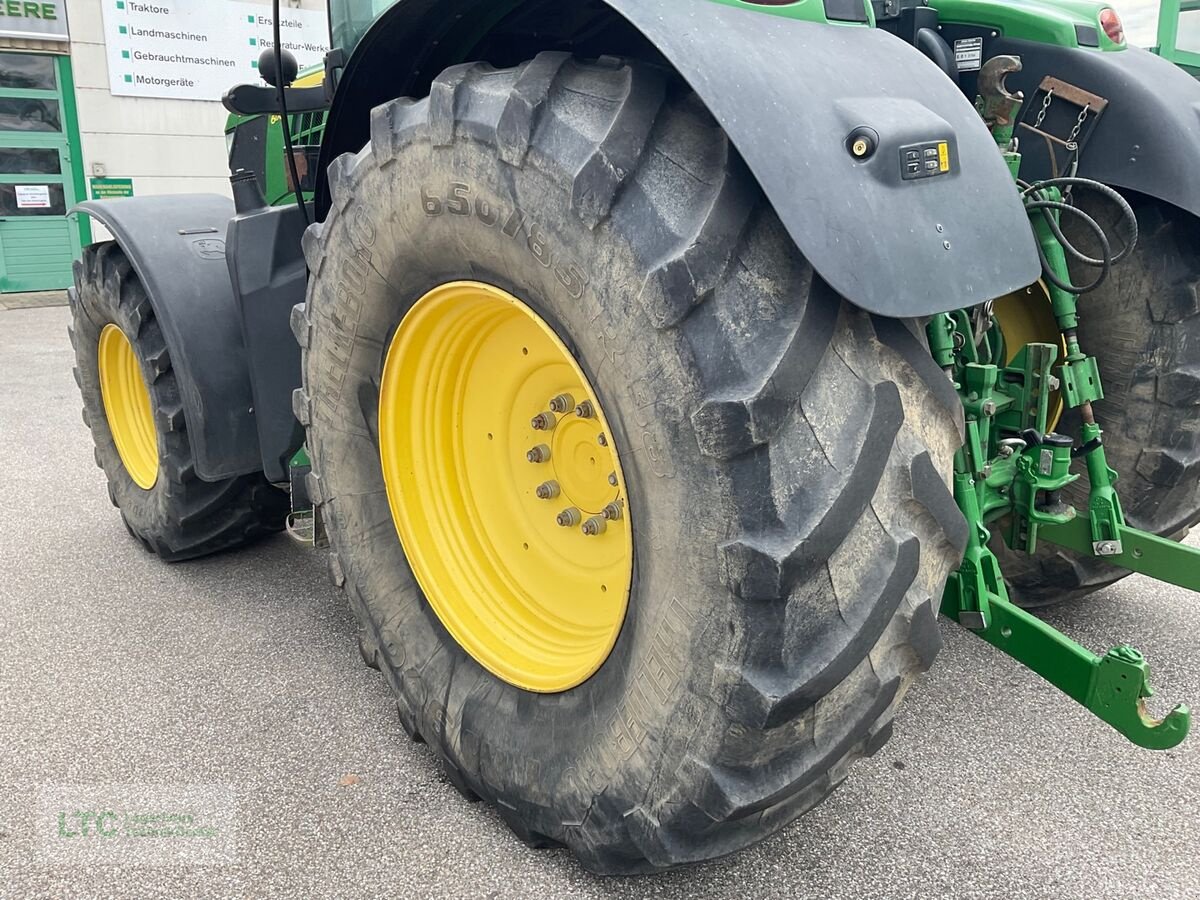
(243, 671)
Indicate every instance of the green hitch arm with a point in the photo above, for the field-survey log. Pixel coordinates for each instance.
(1113, 687)
(1148, 554)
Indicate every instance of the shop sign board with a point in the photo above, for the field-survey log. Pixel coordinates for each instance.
(44, 20)
(112, 188)
(198, 49)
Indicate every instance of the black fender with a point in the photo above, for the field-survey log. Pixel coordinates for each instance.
(790, 93)
(1147, 140)
(269, 276)
(176, 245)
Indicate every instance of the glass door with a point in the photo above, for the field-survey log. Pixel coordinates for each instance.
(38, 242)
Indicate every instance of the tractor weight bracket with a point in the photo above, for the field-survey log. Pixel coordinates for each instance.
(1113, 687)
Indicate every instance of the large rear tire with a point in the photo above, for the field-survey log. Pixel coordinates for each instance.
(1143, 325)
(132, 403)
(785, 456)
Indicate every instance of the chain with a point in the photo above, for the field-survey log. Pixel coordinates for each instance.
(1071, 145)
(1041, 116)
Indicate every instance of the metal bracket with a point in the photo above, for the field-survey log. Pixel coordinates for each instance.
(1081, 382)
(1091, 106)
(305, 524)
(1138, 551)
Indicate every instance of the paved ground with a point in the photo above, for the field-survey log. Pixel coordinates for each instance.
(243, 671)
(35, 300)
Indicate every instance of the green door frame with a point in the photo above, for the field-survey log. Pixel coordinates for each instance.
(66, 81)
(72, 177)
(1168, 34)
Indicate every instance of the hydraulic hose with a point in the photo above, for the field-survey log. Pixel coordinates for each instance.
(1036, 202)
(1105, 263)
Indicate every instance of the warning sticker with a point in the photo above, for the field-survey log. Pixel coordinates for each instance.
(33, 196)
(968, 54)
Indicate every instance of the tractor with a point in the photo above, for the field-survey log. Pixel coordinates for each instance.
(655, 372)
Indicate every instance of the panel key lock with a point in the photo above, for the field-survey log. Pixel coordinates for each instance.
(925, 160)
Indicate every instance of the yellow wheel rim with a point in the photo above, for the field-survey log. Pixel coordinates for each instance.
(127, 407)
(1027, 317)
(517, 530)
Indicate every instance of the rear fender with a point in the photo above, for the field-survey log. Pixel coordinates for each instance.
(266, 266)
(176, 245)
(790, 93)
(1148, 139)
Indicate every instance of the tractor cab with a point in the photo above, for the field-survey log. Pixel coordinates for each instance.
(350, 19)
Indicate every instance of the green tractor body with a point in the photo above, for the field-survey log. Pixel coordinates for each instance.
(655, 373)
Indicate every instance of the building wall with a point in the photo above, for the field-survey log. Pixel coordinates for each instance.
(165, 146)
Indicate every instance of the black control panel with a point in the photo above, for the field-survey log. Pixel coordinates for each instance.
(927, 160)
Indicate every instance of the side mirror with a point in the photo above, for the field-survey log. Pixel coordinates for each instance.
(266, 68)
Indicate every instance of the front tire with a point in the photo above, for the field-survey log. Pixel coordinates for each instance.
(785, 457)
(124, 371)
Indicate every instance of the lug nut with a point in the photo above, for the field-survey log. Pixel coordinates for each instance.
(539, 454)
(612, 512)
(548, 491)
(563, 403)
(594, 526)
(602, 439)
(612, 478)
(585, 410)
(543, 421)
(569, 518)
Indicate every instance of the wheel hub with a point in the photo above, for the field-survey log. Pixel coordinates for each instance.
(578, 464)
(505, 486)
(127, 407)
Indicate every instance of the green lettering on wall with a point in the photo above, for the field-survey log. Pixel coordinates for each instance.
(22, 9)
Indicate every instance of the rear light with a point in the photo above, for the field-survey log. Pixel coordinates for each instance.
(1111, 23)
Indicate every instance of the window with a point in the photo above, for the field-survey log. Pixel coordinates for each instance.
(352, 18)
(29, 161)
(29, 115)
(32, 200)
(28, 73)
(1189, 31)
